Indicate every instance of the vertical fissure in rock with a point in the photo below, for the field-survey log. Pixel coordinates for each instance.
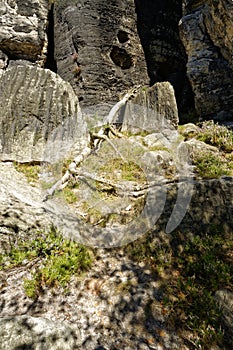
(51, 62)
(157, 23)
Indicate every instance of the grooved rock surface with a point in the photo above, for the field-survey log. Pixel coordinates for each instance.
(37, 105)
(3, 60)
(206, 31)
(97, 48)
(23, 25)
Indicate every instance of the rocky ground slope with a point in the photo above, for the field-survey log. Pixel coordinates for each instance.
(90, 99)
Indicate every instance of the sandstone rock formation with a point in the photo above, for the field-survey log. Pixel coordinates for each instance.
(3, 60)
(149, 106)
(37, 106)
(206, 31)
(23, 26)
(97, 48)
(166, 59)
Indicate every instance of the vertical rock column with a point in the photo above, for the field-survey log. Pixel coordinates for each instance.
(97, 48)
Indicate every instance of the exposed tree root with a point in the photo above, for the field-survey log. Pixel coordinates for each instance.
(97, 138)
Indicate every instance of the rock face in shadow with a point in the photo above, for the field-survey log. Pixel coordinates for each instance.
(37, 106)
(206, 31)
(97, 48)
(23, 26)
(165, 55)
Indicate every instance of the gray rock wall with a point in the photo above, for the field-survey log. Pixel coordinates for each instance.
(23, 26)
(206, 31)
(97, 48)
(164, 52)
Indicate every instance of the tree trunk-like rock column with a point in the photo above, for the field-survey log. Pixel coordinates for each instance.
(97, 48)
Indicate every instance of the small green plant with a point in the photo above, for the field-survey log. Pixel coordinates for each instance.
(142, 133)
(60, 259)
(31, 171)
(216, 135)
(67, 194)
(210, 165)
(116, 169)
(159, 148)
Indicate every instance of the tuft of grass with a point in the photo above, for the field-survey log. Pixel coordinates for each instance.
(211, 166)
(189, 279)
(159, 148)
(142, 133)
(31, 171)
(128, 171)
(60, 259)
(216, 135)
(67, 194)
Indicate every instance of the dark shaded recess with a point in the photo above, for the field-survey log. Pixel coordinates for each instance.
(157, 23)
(122, 36)
(51, 62)
(121, 57)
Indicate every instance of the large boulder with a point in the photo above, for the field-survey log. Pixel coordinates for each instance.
(97, 48)
(206, 32)
(151, 109)
(23, 26)
(37, 106)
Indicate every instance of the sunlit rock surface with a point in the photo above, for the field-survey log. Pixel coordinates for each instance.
(37, 106)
